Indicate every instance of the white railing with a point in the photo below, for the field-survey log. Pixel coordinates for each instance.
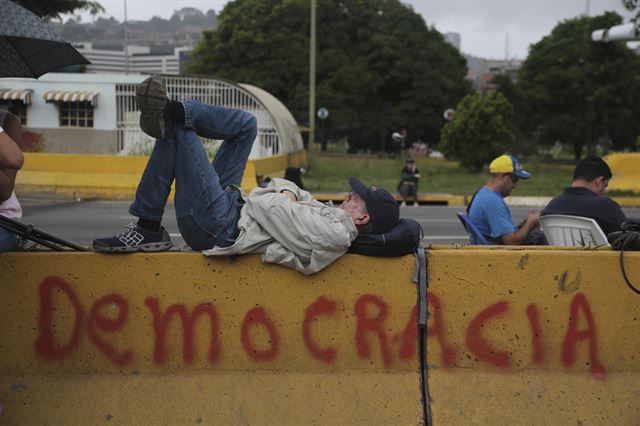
(132, 141)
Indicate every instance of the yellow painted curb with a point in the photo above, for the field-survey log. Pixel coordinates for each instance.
(108, 177)
(423, 199)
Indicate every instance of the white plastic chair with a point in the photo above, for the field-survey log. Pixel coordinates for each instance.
(572, 231)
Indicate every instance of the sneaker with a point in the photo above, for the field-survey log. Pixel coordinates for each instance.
(151, 96)
(133, 239)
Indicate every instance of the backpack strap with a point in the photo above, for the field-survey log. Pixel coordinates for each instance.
(421, 279)
(473, 197)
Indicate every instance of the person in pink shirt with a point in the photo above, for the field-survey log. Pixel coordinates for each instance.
(11, 160)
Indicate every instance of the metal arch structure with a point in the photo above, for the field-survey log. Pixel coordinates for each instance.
(285, 124)
(278, 132)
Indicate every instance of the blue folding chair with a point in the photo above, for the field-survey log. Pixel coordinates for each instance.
(475, 236)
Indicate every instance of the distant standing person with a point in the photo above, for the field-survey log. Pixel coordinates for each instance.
(11, 160)
(409, 178)
(490, 213)
(585, 196)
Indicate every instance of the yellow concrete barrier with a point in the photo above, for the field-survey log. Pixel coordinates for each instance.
(515, 337)
(113, 177)
(626, 171)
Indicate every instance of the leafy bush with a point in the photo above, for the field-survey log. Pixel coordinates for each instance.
(481, 130)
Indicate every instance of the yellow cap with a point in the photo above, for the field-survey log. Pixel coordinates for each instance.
(508, 164)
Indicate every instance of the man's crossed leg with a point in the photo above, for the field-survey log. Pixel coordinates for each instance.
(207, 213)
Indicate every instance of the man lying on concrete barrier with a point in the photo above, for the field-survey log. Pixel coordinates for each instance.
(282, 222)
(585, 196)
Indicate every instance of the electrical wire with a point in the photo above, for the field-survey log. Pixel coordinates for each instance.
(622, 268)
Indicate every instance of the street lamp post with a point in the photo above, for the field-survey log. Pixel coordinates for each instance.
(312, 76)
(126, 40)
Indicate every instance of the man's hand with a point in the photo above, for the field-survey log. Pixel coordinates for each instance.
(517, 237)
(289, 194)
(532, 219)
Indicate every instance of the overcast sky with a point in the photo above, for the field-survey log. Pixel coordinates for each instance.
(484, 25)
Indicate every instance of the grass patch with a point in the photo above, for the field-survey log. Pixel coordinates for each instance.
(330, 173)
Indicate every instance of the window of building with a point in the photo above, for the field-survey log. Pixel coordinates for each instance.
(76, 114)
(17, 107)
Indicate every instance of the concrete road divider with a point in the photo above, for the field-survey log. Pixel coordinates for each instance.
(626, 171)
(423, 199)
(111, 177)
(514, 337)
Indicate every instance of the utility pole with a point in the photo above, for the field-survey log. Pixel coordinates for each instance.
(126, 40)
(312, 76)
(507, 49)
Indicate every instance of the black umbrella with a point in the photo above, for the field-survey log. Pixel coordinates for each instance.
(29, 46)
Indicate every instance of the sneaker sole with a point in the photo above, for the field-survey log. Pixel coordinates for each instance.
(148, 248)
(151, 94)
(151, 97)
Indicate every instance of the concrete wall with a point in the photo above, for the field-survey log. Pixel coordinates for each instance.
(77, 140)
(44, 115)
(515, 337)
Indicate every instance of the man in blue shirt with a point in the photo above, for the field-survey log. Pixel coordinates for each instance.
(490, 213)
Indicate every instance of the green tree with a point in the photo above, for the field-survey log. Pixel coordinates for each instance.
(379, 67)
(577, 91)
(54, 8)
(481, 130)
(513, 93)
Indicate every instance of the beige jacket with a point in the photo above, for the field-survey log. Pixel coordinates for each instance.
(306, 235)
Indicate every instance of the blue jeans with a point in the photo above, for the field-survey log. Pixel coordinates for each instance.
(207, 214)
(8, 240)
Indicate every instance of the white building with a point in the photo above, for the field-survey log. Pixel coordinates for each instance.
(453, 39)
(138, 60)
(97, 113)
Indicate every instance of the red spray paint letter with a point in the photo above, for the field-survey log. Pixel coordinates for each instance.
(160, 323)
(322, 306)
(258, 315)
(479, 346)
(574, 336)
(46, 346)
(374, 325)
(97, 321)
(537, 346)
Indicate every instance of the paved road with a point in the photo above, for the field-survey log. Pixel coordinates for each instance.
(81, 222)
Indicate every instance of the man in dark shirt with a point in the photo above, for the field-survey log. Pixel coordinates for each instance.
(585, 196)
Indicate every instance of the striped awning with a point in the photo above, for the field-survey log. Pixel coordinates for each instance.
(23, 95)
(71, 96)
